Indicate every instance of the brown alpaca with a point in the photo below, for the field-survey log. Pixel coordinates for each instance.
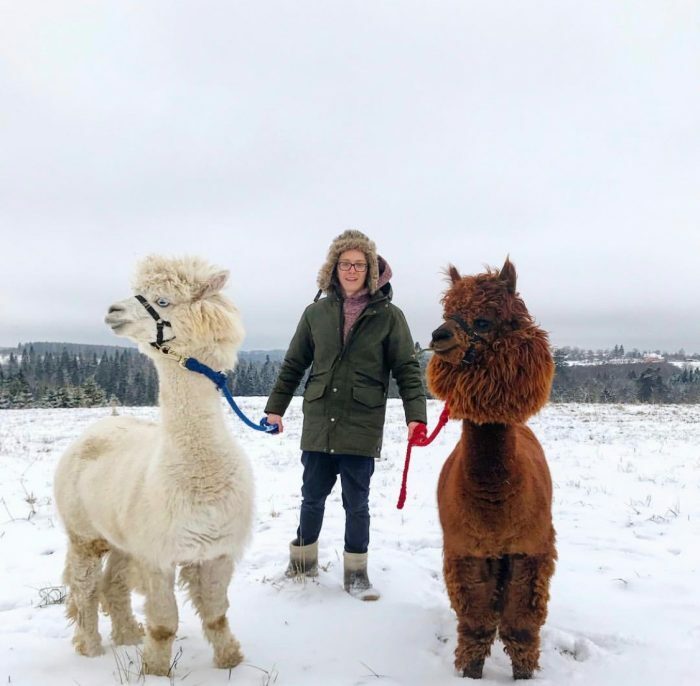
(494, 366)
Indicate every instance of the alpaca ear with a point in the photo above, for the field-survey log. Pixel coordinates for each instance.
(214, 284)
(453, 274)
(508, 275)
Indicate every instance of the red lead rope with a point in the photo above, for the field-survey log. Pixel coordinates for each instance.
(420, 438)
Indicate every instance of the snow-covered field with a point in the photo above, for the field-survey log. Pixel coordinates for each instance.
(625, 607)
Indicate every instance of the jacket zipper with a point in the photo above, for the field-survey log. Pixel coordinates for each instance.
(340, 329)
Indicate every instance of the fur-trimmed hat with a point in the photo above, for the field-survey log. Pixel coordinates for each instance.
(350, 240)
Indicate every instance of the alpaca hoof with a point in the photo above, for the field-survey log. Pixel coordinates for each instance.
(522, 673)
(474, 670)
(129, 635)
(229, 656)
(157, 667)
(89, 647)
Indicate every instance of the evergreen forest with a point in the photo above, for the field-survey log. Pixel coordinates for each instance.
(65, 375)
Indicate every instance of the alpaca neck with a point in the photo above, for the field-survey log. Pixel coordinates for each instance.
(195, 438)
(488, 452)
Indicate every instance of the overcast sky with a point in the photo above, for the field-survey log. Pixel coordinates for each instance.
(566, 134)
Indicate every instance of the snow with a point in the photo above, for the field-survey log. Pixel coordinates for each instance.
(690, 364)
(625, 605)
(613, 360)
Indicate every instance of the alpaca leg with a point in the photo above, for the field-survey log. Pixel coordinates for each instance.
(207, 583)
(525, 611)
(161, 621)
(116, 599)
(472, 584)
(82, 576)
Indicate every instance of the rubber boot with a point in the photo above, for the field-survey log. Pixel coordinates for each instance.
(303, 559)
(356, 581)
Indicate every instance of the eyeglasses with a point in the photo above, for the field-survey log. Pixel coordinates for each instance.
(344, 266)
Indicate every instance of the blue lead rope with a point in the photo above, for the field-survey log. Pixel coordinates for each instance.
(219, 379)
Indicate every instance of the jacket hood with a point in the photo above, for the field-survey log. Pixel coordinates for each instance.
(350, 240)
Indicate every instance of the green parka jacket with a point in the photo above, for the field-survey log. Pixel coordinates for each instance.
(346, 393)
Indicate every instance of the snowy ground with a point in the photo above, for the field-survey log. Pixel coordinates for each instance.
(625, 607)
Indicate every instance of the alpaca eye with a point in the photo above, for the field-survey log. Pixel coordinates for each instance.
(482, 324)
(162, 302)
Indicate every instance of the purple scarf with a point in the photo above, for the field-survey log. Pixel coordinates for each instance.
(355, 304)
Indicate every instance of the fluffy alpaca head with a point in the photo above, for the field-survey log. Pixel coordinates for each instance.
(490, 359)
(350, 240)
(185, 292)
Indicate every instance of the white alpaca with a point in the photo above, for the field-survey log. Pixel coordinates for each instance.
(158, 495)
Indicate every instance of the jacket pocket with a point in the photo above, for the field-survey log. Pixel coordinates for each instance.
(314, 391)
(369, 396)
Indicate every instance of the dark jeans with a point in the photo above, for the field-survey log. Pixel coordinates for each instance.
(320, 473)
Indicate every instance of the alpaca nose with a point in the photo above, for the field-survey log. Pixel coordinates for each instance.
(442, 333)
(115, 308)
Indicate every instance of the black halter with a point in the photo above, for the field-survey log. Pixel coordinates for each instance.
(160, 323)
(473, 336)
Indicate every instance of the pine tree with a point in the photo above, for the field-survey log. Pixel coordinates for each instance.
(650, 386)
(12, 366)
(75, 397)
(266, 377)
(74, 371)
(19, 392)
(151, 386)
(24, 367)
(49, 398)
(93, 395)
(63, 369)
(50, 369)
(24, 399)
(103, 374)
(4, 394)
(560, 362)
(91, 366)
(235, 382)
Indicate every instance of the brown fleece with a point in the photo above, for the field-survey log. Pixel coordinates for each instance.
(495, 490)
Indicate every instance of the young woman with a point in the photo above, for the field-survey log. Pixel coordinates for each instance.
(352, 339)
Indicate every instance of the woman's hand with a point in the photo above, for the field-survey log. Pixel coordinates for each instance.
(412, 427)
(276, 419)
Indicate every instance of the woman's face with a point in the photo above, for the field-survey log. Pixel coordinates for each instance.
(352, 280)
